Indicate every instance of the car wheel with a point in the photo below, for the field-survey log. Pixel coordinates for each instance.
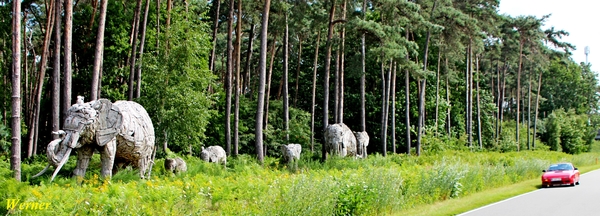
(577, 183)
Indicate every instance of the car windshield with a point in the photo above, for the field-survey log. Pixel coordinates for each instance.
(555, 167)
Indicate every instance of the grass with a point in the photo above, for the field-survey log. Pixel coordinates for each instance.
(480, 199)
(392, 185)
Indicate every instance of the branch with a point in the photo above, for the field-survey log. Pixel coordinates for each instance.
(338, 21)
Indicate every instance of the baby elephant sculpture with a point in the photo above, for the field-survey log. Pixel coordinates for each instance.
(175, 165)
(215, 154)
(363, 141)
(122, 132)
(291, 153)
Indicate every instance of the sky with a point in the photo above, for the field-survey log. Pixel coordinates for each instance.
(578, 17)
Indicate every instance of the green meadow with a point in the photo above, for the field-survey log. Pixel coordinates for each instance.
(340, 186)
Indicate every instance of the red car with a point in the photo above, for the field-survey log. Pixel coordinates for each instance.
(560, 174)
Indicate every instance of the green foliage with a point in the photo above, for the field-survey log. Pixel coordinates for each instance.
(341, 186)
(176, 83)
(580, 81)
(569, 132)
(507, 140)
(5, 139)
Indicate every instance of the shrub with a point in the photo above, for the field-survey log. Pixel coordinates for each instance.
(569, 132)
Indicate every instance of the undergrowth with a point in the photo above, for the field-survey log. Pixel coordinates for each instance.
(341, 186)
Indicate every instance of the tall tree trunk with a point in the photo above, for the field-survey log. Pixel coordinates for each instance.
(158, 27)
(269, 88)
(95, 91)
(138, 76)
(261, 86)
(169, 8)
(336, 87)
(15, 159)
(448, 109)
(25, 74)
(41, 78)
(238, 46)
(437, 91)
(56, 70)
(314, 91)
(519, 92)
(407, 103)
(363, 126)
(134, 49)
(502, 95)
(326, 78)
(498, 100)
(211, 63)
(479, 141)
(393, 131)
(529, 114)
(467, 94)
(383, 108)
(421, 121)
(280, 88)
(342, 66)
(247, 72)
(168, 23)
(286, 111)
(537, 103)
(228, 77)
(269, 76)
(298, 70)
(68, 73)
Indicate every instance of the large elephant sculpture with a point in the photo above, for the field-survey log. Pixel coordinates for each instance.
(121, 132)
(341, 141)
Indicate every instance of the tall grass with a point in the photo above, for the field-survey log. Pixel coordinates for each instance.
(340, 186)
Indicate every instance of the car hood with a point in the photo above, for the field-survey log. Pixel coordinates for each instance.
(558, 173)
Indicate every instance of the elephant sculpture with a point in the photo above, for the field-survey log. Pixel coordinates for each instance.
(175, 165)
(121, 132)
(341, 141)
(362, 138)
(291, 153)
(215, 154)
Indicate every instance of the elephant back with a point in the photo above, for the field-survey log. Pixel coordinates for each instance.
(136, 135)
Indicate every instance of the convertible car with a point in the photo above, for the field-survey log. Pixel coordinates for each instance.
(560, 174)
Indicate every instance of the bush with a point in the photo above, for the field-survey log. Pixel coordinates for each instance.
(569, 132)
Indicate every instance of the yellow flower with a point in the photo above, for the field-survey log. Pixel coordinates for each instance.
(36, 193)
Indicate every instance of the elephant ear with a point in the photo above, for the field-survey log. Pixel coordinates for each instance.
(109, 121)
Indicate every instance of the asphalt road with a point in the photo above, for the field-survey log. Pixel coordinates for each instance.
(583, 199)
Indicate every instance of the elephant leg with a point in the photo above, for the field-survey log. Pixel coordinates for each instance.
(84, 154)
(108, 158)
(143, 164)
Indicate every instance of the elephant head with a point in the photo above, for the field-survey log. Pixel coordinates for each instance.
(95, 122)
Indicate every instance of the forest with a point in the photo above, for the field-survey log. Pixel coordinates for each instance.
(455, 97)
(419, 76)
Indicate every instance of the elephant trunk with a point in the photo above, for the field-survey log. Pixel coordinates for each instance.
(62, 162)
(53, 153)
(58, 152)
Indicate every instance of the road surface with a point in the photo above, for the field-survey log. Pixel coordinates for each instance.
(583, 199)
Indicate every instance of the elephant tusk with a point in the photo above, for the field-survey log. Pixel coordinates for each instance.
(42, 172)
(62, 162)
